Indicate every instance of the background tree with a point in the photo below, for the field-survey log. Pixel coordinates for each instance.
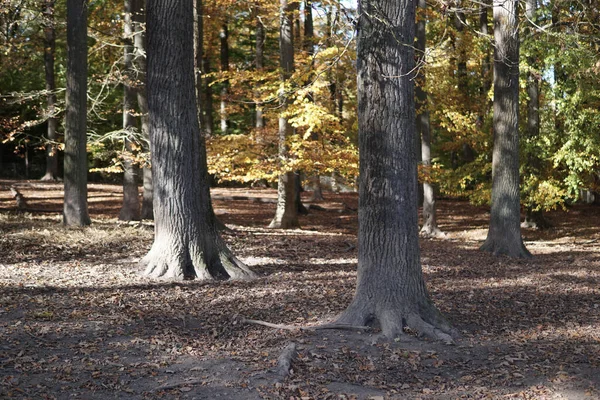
(504, 234)
(390, 288)
(187, 243)
(130, 211)
(430, 227)
(49, 51)
(286, 213)
(75, 212)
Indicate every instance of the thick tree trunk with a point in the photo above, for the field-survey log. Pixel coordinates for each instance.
(430, 227)
(75, 212)
(390, 289)
(504, 235)
(224, 36)
(286, 213)
(130, 210)
(49, 51)
(187, 243)
(139, 43)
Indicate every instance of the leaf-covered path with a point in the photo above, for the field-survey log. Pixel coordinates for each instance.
(77, 320)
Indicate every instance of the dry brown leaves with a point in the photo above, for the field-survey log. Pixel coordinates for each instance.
(77, 321)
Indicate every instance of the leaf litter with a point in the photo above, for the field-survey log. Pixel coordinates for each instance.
(78, 321)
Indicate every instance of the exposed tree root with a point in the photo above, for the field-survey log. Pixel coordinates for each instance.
(503, 248)
(433, 232)
(285, 361)
(394, 322)
(301, 328)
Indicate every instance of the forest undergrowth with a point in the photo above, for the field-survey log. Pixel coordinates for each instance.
(78, 321)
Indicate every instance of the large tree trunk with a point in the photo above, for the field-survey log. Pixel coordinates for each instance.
(187, 244)
(504, 235)
(430, 227)
(130, 210)
(286, 214)
(139, 42)
(224, 36)
(390, 289)
(75, 211)
(49, 50)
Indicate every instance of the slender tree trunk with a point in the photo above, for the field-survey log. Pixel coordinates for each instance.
(390, 287)
(430, 227)
(187, 243)
(260, 49)
(49, 51)
(208, 108)
(504, 235)
(486, 66)
(534, 218)
(139, 41)
(198, 56)
(130, 210)
(286, 213)
(75, 212)
(224, 36)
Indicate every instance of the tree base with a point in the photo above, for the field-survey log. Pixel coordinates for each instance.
(432, 232)
(504, 248)
(190, 261)
(395, 321)
(49, 178)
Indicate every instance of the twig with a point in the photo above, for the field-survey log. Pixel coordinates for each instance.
(305, 328)
(175, 385)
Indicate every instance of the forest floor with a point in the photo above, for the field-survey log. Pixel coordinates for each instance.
(78, 321)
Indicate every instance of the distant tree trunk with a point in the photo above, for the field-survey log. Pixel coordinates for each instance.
(209, 120)
(390, 287)
(139, 41)
(187, 243)
(286, 214)
(486, 68)
(75, 212)
(224, 36)
(533, 218)
(260, 49)
(49, 50)
(430, 227)
(130, 210)
(198, 56)
(504, 235)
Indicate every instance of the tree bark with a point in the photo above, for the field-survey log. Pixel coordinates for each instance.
(130, 210)
(390, 289)
(209, 120)
(224, 36)
(49, 51)
(504, 235)
(75, 212)
(187, 244)
(430, 227)
(286, 213)
(139, 43)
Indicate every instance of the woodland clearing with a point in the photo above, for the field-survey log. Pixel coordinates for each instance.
(78, 321)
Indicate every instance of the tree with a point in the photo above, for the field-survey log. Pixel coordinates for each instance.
(390, 288)
(130, 210)
(139, 45)
(49, 50)
(286, 213)
(187, 244)
(504, 234)
(430, 227)
(75, 211)
(224, 40)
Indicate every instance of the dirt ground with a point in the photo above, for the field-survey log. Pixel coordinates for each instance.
(78, 321)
